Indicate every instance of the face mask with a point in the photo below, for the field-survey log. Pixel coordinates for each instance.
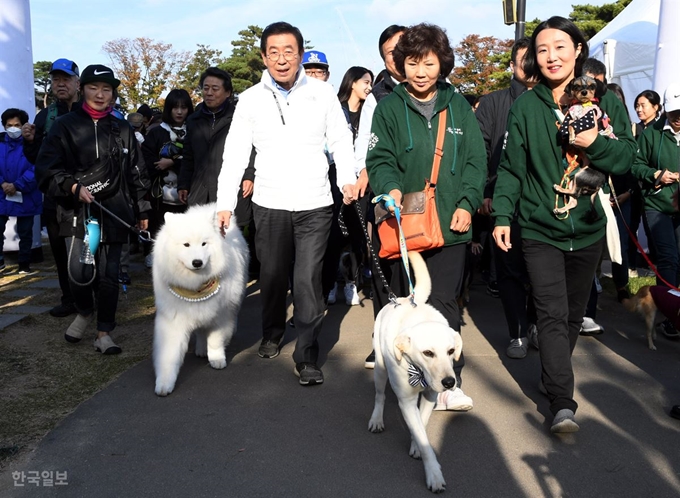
(13, 132)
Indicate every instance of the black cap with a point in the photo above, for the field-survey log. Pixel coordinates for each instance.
(97, 72)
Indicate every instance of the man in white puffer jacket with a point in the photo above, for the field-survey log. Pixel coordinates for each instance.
(289, 119)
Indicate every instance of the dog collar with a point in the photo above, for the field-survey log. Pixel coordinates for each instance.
(416, 376)
(206, 291)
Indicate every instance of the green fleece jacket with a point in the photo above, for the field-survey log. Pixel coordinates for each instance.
(401, 150)
(532, 163)
(658, 150)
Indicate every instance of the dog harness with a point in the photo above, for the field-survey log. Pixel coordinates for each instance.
(416, 376)
(208, 290)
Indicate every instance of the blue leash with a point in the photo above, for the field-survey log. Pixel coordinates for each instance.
(388, 202)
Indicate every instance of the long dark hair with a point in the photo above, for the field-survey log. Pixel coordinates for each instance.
(176, 97)
(353, 74)
(531, 68)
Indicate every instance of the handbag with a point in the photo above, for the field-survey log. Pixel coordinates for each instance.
(419, 218)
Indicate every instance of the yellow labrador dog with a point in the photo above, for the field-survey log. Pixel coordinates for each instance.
(415, 349)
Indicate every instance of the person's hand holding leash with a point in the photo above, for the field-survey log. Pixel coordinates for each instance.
(502, 237)
(362, 184)
(82, 193)
(348, 195)
(397, 196)
(461, 221)
(143, 225)
(223, 220)
(183, 195)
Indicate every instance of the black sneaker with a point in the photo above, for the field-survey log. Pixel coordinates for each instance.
(675, 412)
(268, 349)
(370, 361)
(492, 289)
(124, 278)
(62, 310)
(309, 374)
(668, 330)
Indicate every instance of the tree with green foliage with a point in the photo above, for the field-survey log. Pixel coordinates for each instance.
(480, 67)
(245, 62)
(189, 77)
(43, 87)
(146, 69)
(589, 18)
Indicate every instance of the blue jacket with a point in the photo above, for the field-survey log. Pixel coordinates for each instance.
(15, 168)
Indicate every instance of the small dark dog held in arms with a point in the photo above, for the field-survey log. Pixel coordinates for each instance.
(584, 114)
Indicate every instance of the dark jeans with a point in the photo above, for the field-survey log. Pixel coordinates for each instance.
(281, 237)
(560, 283)
(665, 237)
(620, 272)
(105, 285)
(446, 266)
(513, 285)
(25, 233)
(59, 253)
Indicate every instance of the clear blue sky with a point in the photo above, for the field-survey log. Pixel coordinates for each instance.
(347, 31)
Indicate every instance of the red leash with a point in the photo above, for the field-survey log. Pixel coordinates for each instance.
(637, 244)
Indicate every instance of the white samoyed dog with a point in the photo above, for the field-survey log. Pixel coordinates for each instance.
(199, 281)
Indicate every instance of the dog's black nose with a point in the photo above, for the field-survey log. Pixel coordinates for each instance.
(197, 263)
(449, 382)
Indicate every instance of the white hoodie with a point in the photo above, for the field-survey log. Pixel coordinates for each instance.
(291, 169)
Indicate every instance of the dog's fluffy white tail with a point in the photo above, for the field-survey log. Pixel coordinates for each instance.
(423, 286)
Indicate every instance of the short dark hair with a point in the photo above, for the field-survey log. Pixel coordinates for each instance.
(14, 113)
(217, 73)
(593, 67)
(618, 91)
(517, 46)
(388, 33)
(531, 68)
(421, 39)
(281, 28)
(175, 98)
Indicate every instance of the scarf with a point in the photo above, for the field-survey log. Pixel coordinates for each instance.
(176, 132)
(94, 114)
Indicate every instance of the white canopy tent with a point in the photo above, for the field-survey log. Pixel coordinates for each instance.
(628, 46)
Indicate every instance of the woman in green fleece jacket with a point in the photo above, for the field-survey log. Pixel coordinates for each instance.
(656, 166)
(399, 158)
(561, 252)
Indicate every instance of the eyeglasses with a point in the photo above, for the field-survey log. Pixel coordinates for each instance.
(275, 56)
(316, 72)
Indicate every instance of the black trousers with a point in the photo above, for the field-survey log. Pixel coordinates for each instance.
(560, 282)
(59, 253)
(513, 285)
(446, 266)
(281, 237)
(105, 285)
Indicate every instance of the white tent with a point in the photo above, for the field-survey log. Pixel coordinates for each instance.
(628, 46)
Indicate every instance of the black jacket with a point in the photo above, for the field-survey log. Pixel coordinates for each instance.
(203, 149)
(73, 145)
(492, 114)
(384, 86)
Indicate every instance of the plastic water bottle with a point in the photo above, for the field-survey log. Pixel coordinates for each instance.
(86, 256)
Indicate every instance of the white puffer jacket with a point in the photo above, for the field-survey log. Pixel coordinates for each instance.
(289, 136)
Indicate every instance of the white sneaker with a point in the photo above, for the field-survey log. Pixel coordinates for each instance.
(332, 295)
(351, 294)
(148, 261)
(590, 327)
(455, 400)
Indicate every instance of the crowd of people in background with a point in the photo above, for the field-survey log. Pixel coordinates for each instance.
(297, 163)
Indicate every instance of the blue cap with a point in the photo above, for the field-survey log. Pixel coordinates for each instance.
(315, 57)
(65, 66)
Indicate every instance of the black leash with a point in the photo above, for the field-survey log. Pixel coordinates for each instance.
(144, 235)
(343, 227)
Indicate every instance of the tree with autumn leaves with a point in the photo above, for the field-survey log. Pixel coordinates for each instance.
(480, 65)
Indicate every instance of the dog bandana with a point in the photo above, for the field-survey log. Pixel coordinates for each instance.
(209, 289)
(415, 376)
